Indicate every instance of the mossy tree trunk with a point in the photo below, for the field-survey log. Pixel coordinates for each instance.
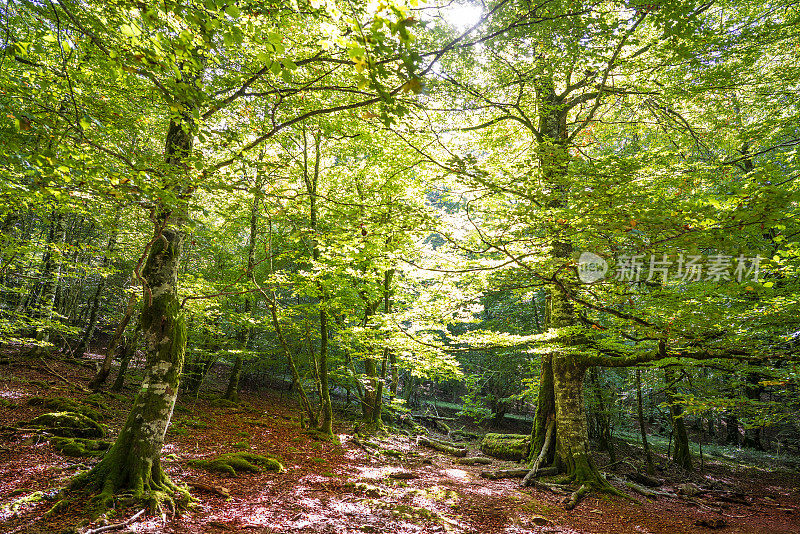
(563, 370)
(752, 435)
(102, 374)
(311, 178)
(126, 354)
(642, 428)
(51, 274)
(133, 464)
(681, 455)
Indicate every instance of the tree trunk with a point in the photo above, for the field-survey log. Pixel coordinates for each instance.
(126, 354)
(752, 435)
(567, 365)
(51, 274)
(681, 454)
(312, 181)
(572, 443)
(86, 338)
(326, 425)
(642, 429)
(731, 430)
(102, 373)
(232, 392)
(601, 417)
(133, 462)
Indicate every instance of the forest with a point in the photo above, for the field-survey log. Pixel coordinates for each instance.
(468, 266)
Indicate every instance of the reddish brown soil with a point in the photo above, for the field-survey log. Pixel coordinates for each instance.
(345, 488)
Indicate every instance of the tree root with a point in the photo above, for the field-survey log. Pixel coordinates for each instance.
(116, 526)
(439, 446)
(505, 473)
(576, 497)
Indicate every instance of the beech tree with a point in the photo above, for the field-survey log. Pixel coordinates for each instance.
(196, 66)
(568, 134)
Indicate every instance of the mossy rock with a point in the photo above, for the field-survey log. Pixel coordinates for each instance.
(237, 462)
(65, 405)
(506, 446)
(80, 447)
(69, 425)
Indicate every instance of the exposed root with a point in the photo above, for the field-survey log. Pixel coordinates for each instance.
(576, 497)
(116, 526)
(548, 441)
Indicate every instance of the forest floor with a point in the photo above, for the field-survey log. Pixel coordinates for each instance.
(351, 487)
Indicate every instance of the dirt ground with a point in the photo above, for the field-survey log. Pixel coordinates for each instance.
(349, 487)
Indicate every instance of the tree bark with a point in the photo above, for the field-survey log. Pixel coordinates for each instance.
(568, 365)
(126, 354)
(681, 454)
(232, 391)
(86, 338)
(51, 274)
(134, 461)
(752, 435)
(642, 429)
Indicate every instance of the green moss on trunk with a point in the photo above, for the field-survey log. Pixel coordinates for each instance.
(133, 463)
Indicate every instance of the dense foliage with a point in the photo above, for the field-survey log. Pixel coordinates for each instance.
(390, 203)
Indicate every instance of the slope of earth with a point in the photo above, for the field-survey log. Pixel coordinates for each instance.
(387, 484)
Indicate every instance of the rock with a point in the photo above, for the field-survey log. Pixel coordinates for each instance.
(237, 462)
(80, 447)
(539, 521)
(69, 425)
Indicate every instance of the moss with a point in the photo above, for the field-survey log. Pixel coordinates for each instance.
(241, 445)
(405, 512)
(506, 446)
(5, 403)
(79, 447)
(237, 462)
(65, 405)
(97, 400)
(319, 436)
(69, 425)
(18, 504)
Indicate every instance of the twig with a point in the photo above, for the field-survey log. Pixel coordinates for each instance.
(116, 525)
(76, 386)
